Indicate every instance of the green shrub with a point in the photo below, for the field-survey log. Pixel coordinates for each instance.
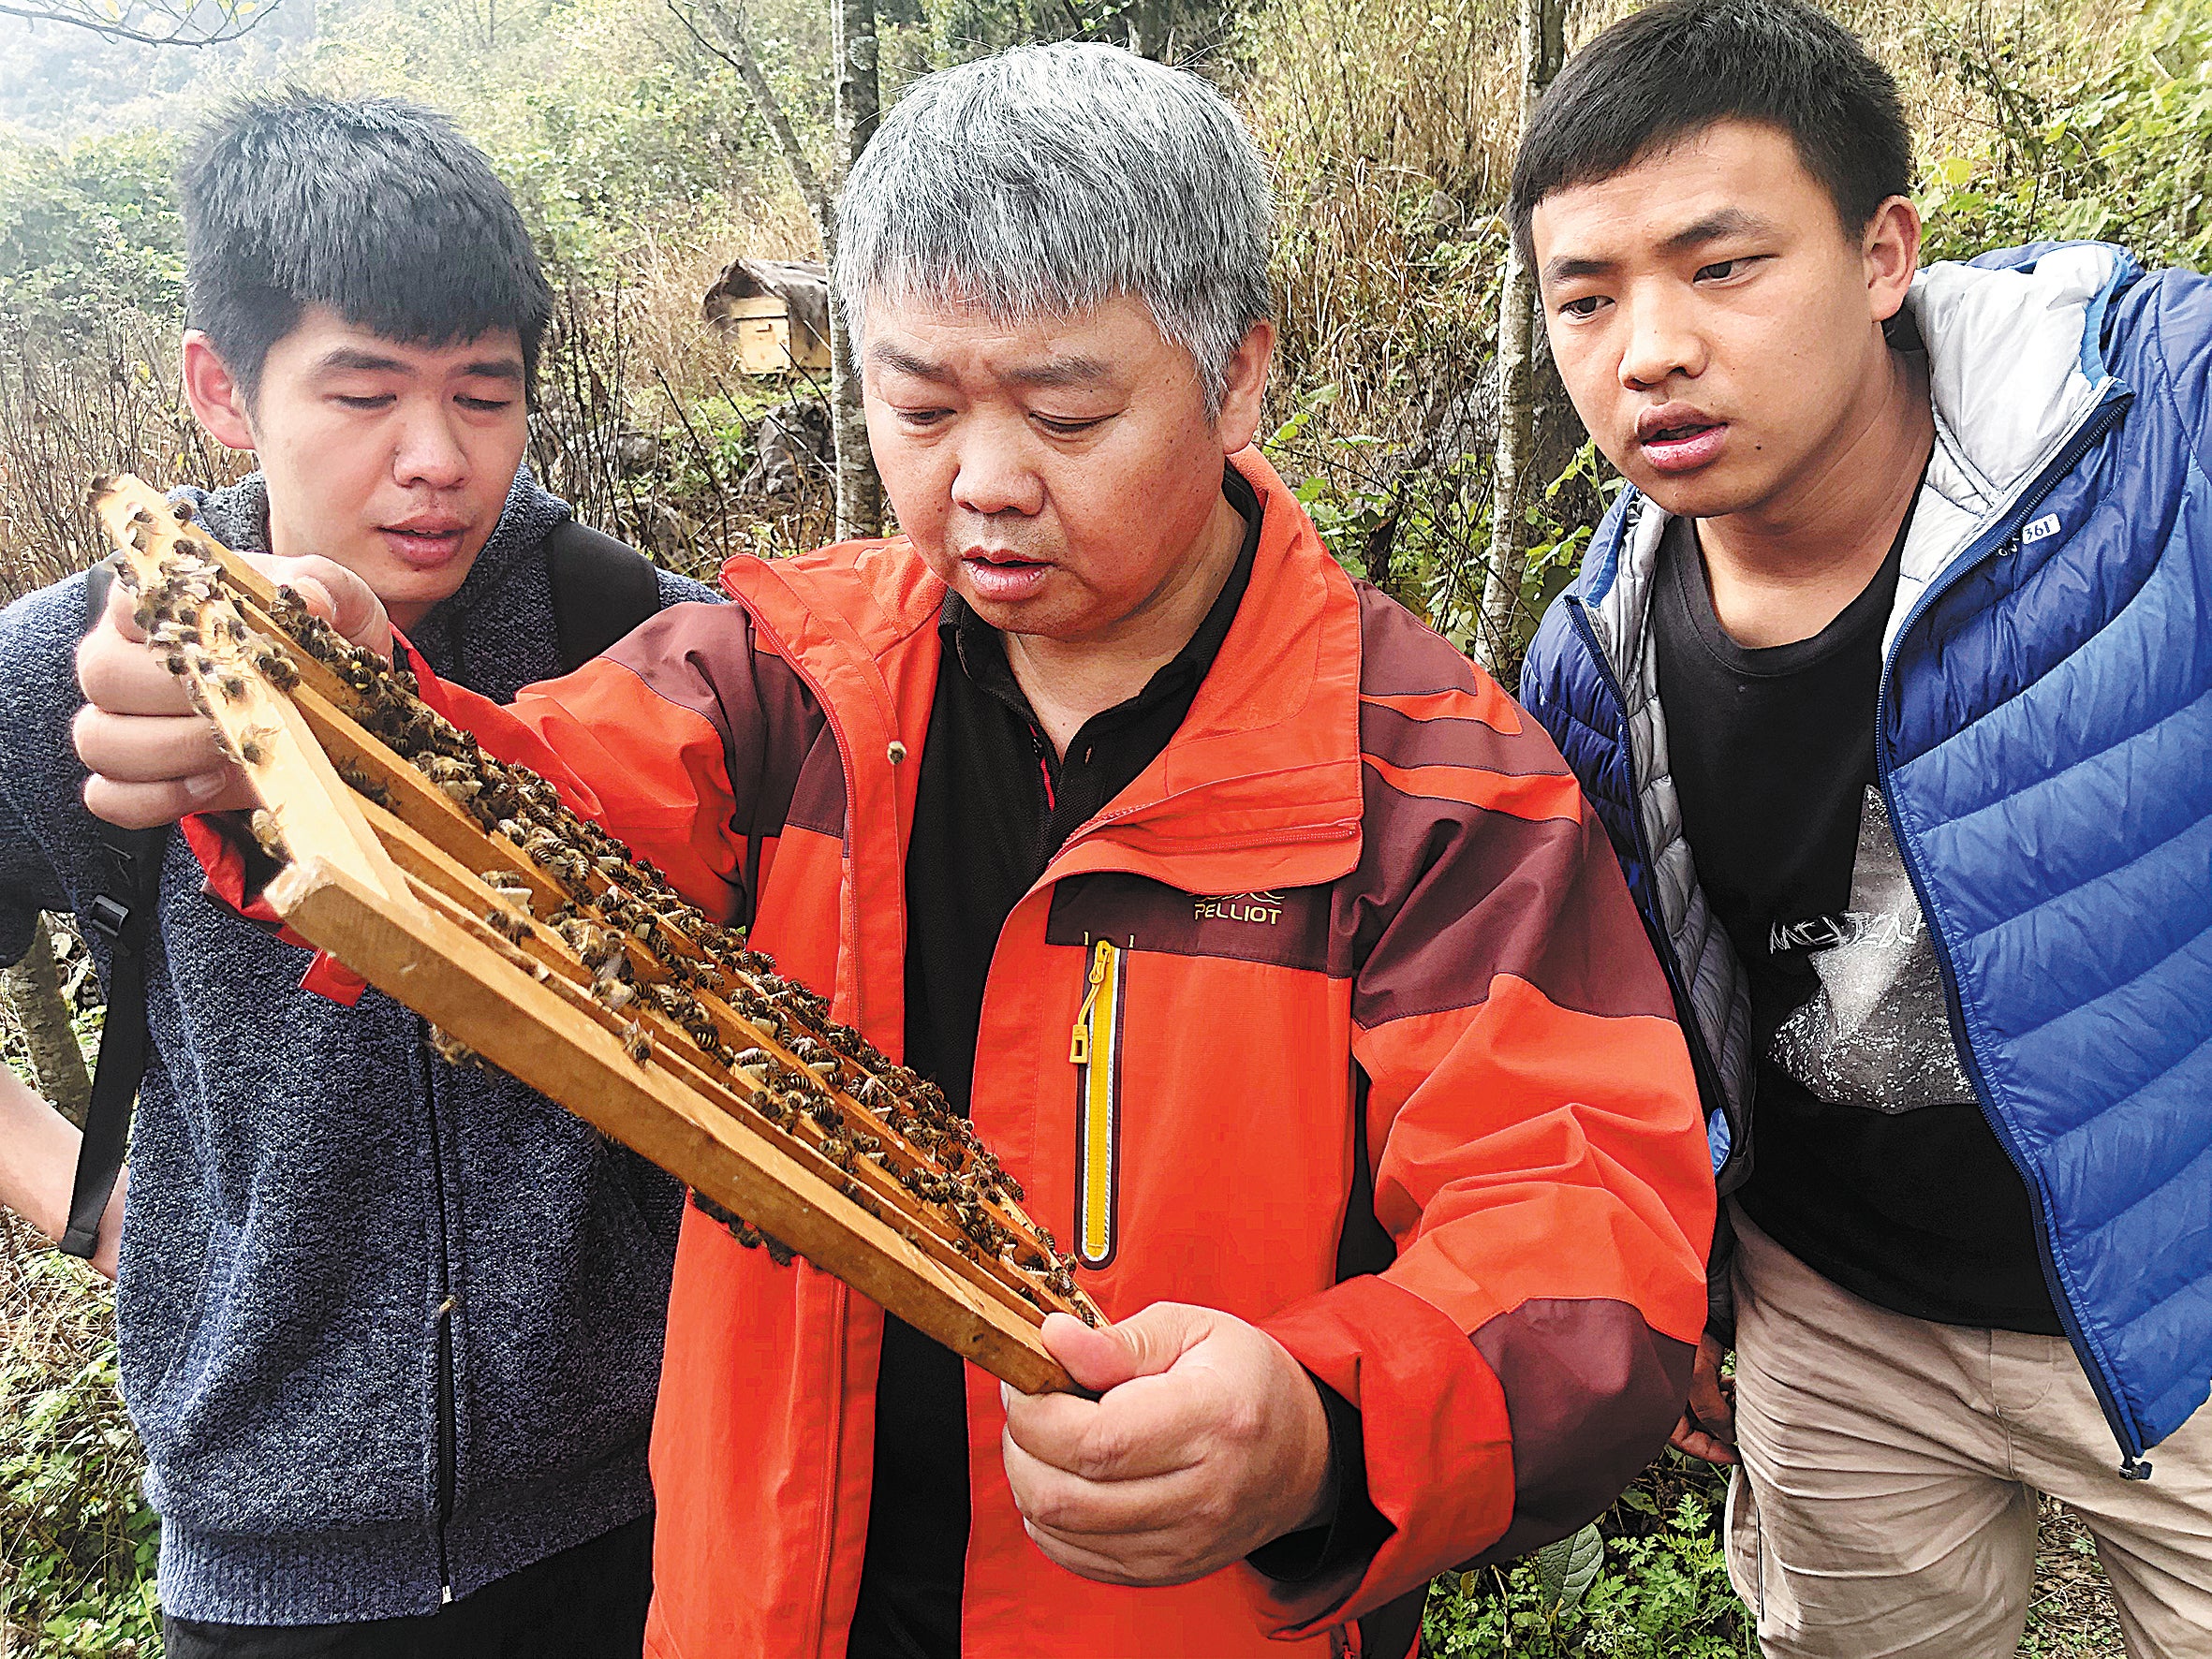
(77, 1541)
(1647, 1582)
(87, 232)
(2121, 153)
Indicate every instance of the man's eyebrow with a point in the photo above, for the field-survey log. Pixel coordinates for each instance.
(1565, 269)
(345, 358)
(1062, 371)
(495, 368)
(1722, 222)
(1730, 221)
(906, 362)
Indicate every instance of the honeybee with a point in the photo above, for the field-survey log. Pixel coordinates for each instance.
(276, 666)
(270, 834)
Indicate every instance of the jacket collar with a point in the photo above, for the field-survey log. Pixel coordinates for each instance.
(1268, 756)
(2015, 367)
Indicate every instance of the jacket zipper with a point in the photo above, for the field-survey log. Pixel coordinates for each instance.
(443, 1341)
(2122, 1421)
(1079, 1043)
(1701, 1058)
(1092, 1051)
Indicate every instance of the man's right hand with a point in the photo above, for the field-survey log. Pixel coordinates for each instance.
(153, 759)
(1708, 1425)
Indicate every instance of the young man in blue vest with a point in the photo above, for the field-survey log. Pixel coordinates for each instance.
(392, 1349)
(1892, 677)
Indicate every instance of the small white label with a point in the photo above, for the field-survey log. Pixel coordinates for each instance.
(2047, 525)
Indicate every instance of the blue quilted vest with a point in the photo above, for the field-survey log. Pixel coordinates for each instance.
(2046, 751)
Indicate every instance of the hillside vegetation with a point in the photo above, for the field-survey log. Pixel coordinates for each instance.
(644, 168)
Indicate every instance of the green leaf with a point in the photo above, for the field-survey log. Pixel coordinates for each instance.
(1566, 1569)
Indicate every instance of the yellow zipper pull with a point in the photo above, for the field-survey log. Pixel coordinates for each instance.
(1079, 1044)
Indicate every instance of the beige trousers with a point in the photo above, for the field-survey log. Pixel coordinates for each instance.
(1885, 1504)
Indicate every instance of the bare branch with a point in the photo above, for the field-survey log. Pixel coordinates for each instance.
(151, 23)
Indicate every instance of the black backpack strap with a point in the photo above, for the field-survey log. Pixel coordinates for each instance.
(122, 913)
(602, 588)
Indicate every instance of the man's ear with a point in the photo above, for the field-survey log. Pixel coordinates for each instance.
(1891, 252)
(1244, 386)
(218, 400)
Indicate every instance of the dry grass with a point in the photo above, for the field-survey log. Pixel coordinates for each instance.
(114, 406)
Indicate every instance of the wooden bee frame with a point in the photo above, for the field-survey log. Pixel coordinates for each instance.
(631, 1010)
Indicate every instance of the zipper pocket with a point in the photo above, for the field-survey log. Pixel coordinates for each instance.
(1094, 1051)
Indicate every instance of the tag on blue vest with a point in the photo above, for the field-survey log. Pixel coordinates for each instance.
(2047, 525)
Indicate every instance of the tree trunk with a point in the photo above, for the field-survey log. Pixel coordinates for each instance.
(736, 50)
(57, 1064)
(1542, 45)
(860, 107)
(1148, 29)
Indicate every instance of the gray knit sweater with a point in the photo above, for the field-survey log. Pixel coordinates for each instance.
(309, 1184)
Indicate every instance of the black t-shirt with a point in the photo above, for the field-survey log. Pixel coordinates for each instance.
(1870, 1161)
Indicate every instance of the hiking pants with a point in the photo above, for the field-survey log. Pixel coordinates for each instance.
(1885, 1504)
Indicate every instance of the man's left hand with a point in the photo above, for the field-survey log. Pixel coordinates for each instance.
(1209, 1442)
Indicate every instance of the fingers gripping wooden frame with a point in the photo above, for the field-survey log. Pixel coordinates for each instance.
(462, 888)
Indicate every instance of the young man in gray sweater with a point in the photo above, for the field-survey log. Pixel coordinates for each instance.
(392, 1349)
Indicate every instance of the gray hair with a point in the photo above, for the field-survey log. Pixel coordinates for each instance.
(1049, 178)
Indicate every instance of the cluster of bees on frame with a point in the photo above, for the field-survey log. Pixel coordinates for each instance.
(616, 908)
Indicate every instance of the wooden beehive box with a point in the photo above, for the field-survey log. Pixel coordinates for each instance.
(769, 341)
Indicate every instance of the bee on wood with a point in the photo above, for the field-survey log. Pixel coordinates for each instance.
(232, 626)
(253, 747)
(276, 666)
(637, 1043)
(361, 783)
(181, 510)
(267, 831)
(838, 1150)
(232, 683)
(507, 925)
(613, 994)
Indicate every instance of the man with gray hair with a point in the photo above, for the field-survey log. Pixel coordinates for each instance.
(1272, 947)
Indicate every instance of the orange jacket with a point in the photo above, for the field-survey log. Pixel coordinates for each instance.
(1379, 1058)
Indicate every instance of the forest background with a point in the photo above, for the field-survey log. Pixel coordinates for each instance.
(644, 165)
